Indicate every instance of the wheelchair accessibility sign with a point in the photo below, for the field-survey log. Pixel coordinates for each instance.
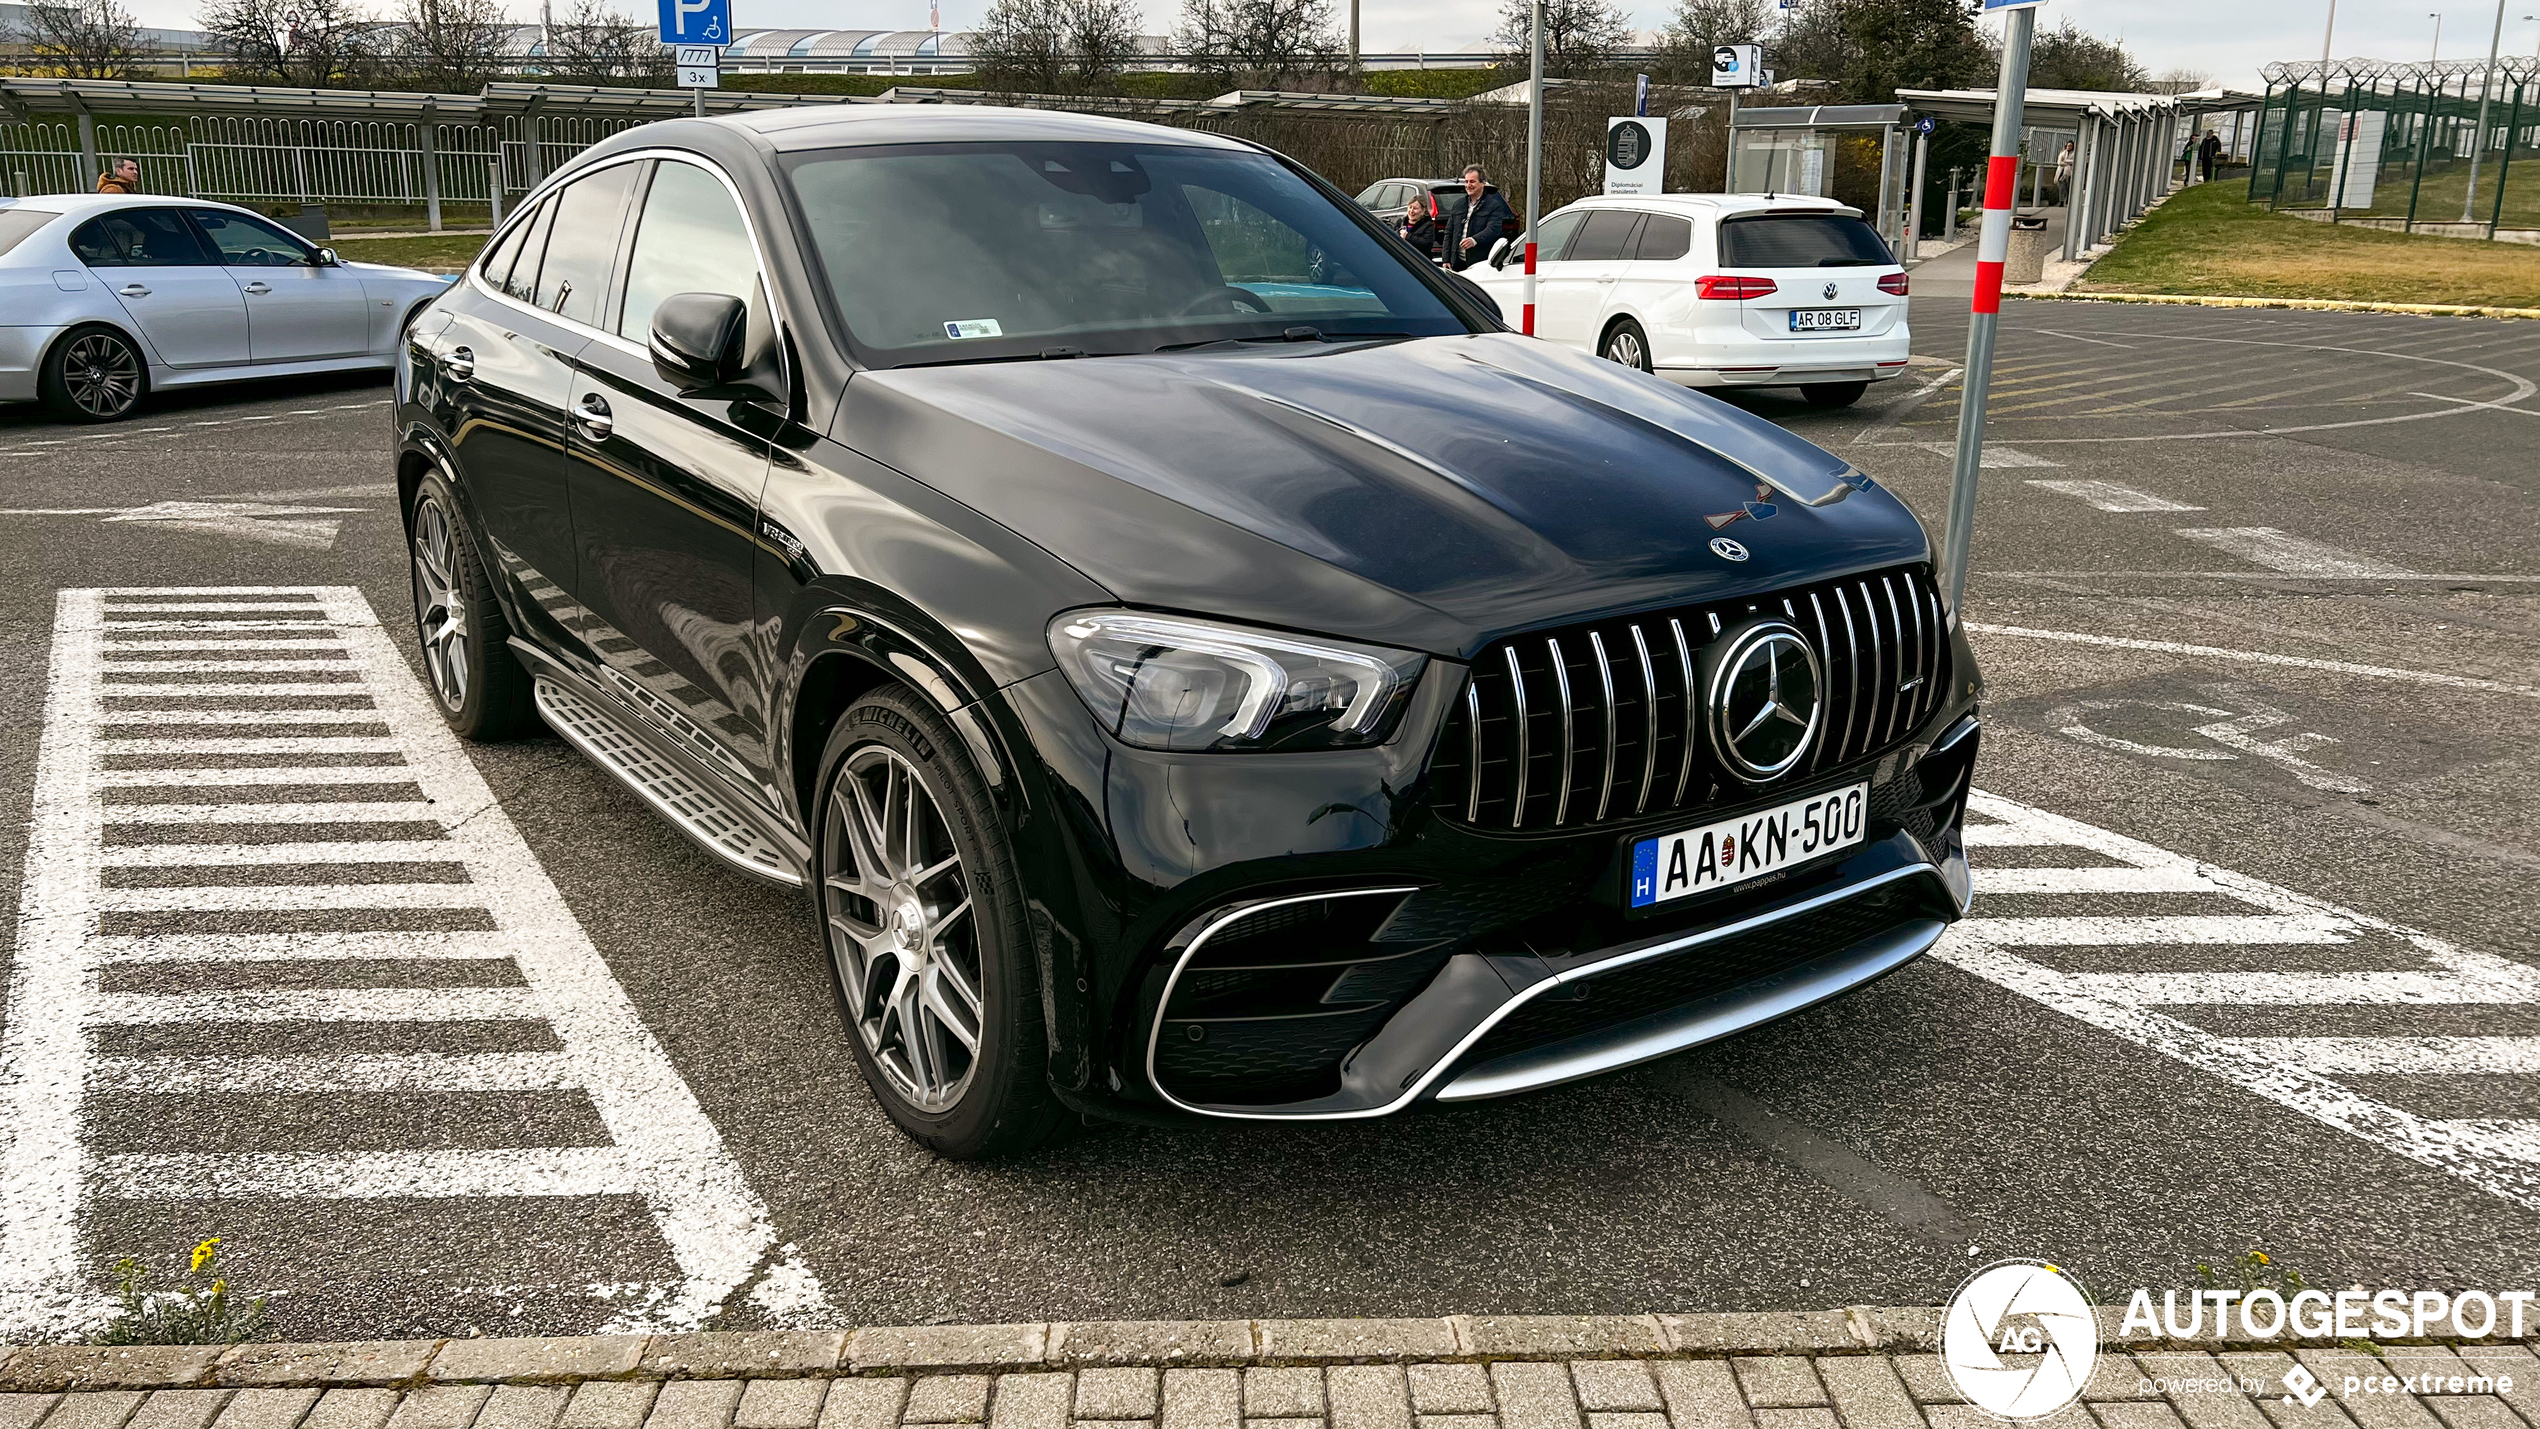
(696, 22)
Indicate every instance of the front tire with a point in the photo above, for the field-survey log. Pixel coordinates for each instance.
(1627, 344)
(1833, 394)
(94, 374)
(468, 663)
(923, 915)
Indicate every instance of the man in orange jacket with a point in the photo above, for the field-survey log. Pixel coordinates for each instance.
(123, 176)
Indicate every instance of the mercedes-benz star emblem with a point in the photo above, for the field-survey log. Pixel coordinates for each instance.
(1830, 292)
(1764, 701)
(1728, 550)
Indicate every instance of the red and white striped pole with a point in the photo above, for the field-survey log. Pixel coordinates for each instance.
(1534, 167)
(1993, 245)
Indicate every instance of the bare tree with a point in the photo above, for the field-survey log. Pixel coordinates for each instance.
(595, 44)
(1055, 46)
(80, 39)
(1577, 34)
(1267, 43)
(450, 46)
(2181, 80)
(319, 43)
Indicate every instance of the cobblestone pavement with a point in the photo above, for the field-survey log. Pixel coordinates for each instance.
(2423, 1387)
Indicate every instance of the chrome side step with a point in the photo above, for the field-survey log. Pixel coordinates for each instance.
(692, 807)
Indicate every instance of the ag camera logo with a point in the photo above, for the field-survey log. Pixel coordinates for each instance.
(2020, 1308)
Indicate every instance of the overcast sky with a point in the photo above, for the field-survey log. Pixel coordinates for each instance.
(2228, 40)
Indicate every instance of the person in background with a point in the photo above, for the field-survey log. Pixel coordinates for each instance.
(2064, 175)
(122, 176)
(2209, 153)
(1420, 224)
(1485, 218)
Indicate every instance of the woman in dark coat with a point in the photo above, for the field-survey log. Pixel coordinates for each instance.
(1420, 225)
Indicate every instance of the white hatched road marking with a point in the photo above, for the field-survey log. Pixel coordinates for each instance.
(2279, 551)
(2260, 657)
(665, 1150)
(2109, 496)
(2500, 1155)
(1993, 457)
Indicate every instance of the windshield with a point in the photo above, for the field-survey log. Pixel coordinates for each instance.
(956, 252)
(1802, 241)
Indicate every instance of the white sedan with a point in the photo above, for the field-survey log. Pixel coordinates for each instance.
(105, 297)
(1717, 290)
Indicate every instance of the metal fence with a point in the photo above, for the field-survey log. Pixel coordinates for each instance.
(2444, 146)
(341, 161)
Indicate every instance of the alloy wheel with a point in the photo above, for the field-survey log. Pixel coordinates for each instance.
(901, 928)
(440, 610)
(1624, 347)
(102, 374)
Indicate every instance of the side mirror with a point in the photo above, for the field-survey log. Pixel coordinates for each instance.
(697, 340)
(1499, 252)
(328, 258)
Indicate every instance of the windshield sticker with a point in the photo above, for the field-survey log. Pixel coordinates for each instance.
(974, 327)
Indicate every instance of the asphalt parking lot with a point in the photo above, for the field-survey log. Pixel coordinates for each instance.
(2255, 958)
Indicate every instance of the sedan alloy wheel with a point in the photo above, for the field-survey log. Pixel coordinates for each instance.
(902, 929)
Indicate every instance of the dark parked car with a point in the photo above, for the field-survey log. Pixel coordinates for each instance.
(1199, 662)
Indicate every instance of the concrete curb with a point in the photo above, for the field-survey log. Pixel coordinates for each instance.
(1062, 1346)
(2316, 305)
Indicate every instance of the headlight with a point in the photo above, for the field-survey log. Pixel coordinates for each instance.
(1166, 682)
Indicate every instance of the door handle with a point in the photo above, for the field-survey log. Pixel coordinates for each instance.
(135, 290)
(593, 417)
(459, 363)
(258, 287)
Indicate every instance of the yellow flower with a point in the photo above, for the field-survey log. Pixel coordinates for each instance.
(203, 1254)
(2262, 1257)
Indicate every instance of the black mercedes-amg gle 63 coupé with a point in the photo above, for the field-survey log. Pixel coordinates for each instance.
(1198, 661)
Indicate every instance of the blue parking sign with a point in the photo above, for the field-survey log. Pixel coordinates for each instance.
(696, 22)
(1992, 5)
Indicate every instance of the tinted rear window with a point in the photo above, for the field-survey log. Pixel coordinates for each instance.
(1607, 235)
(1663, 238)
(1812, 241)
(17, 223)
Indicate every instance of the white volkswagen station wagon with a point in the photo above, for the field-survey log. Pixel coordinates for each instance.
(1717, 290)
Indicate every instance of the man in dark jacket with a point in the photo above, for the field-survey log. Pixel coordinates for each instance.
(1485, 219)
(2209, 153)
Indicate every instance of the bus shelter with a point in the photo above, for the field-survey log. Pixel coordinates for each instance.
(1801, 150)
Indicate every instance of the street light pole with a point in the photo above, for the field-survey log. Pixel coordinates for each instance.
(1993, 245)
(2328, 38)
(2478, 135)
(2437, 18)
(1534, 166)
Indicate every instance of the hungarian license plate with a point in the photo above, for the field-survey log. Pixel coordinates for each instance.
(1749, 846)
(1825, 320)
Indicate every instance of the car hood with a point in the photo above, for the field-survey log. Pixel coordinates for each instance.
(391, 270)
(1432, 494)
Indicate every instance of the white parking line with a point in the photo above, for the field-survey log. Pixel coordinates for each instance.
(2278, 551)
(2500, 1155)
(1994, 456)
(2109, 496)
(2256, 657)
(75, 923)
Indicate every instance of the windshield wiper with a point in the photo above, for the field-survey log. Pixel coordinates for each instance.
(1047, 354)
(1294, 334)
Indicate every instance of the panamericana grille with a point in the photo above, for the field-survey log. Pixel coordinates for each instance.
(1594, 723)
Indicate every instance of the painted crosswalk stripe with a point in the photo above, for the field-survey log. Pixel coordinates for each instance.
(2156, 1010)
(2278, 551)
(2109, 496)
(107, 892)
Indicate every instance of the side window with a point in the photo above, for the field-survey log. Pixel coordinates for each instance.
(1373, 196)
(244, 241)
(1605, 235)
(1664, 237)
(138, 238)
(590, 215)
(1557, 231)
(522, 281)
(688, 239)
(496, 265)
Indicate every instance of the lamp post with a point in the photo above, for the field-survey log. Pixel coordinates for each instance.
(2328, 38)
(2437, 18)
(2478, 135)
